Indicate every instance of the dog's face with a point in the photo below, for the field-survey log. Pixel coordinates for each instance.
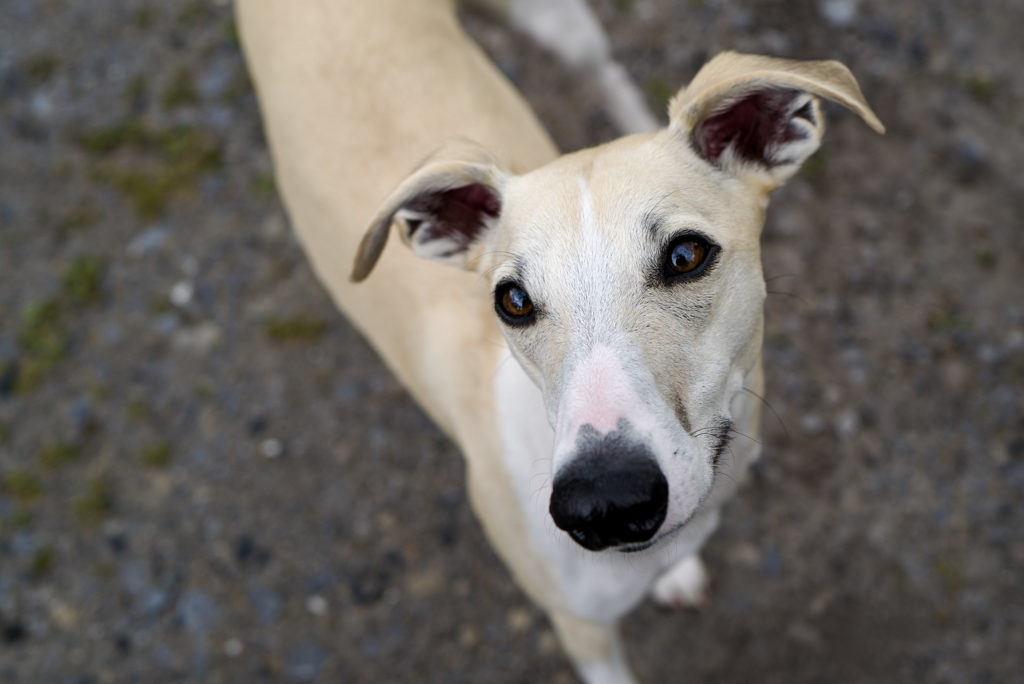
(627, 281)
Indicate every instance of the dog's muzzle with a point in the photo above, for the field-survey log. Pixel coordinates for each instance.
(607, 497)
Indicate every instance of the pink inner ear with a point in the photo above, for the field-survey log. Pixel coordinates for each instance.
(753, 126)
(457, 214)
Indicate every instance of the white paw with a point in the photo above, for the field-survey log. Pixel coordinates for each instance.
(684, 585)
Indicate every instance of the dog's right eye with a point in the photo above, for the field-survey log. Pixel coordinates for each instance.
(513, 304)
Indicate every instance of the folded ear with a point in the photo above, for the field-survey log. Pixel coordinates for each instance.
(442, 209)
(748, 114)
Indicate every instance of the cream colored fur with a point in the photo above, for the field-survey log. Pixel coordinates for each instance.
(355, 96)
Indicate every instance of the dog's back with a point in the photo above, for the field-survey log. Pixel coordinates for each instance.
(354, 94)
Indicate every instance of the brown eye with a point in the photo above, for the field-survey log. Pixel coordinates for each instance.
(513, 304)
(687, 257)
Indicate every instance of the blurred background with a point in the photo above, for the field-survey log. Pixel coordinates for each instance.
(206, 475)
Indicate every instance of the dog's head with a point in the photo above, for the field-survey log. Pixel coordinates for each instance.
(627, 281)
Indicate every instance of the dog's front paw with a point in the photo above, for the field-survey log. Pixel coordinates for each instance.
(684, 585)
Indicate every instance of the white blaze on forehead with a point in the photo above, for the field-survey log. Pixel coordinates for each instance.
(598, 394)
(586, 211)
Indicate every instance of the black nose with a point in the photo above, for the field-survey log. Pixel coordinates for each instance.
(605, 499)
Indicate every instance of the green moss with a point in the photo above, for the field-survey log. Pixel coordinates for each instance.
(264, 186)
(19, 520)
(158, 456)
(41, 68)
(986, 257)
(41, 333)
(137, 410)
(106, 140)
(5, 429)
(99, 391)
(42, 562)
(82, 280)
(194, 13)
(981, 87)
(660, 91)
(43, 340)
(181, 91)
(231, 34)
(951, 574)
(239, 87)
(203, 391)
(22, 486)
(136, 91)
(148, 192)
(57, 454)
(96, 503)
(174, 159)
(80, 218)
(62, 171)
(948, 322)
(295, 328)
(815, 166)
(624, 5)
(145, 17)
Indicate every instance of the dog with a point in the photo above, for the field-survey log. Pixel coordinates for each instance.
(587, 328)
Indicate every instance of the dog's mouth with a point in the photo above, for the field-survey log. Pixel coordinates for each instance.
(643, 546)
(658, 538)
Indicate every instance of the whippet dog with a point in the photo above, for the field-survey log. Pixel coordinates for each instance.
(587, 328)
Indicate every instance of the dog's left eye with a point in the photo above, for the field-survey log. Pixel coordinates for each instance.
(687, 257)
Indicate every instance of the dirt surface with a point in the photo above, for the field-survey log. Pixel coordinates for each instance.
(208, 476)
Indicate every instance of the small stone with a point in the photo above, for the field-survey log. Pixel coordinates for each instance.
(847, 423)
(771, 562)
(1015, 340)
(148, 241)
(233, 647)
(304, 662)
(167, 323)
(14, 632)
(181, 293)
(197, 611)
(425, 582)
(518, 619)
(272, 448)
(812, 423)
(803, 633)
(745, 554)
(62, 614)
(838, 13)
(257, 424)
(250, 554)
(189, 265)
(547, 642)
(267, 603)
(198, 338)
(468, 637)
(316, 604)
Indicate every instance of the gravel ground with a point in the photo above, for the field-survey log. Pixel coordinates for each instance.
(206, 475)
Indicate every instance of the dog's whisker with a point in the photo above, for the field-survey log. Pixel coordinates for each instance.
(789, 294)
(775, 413)
(734, 431)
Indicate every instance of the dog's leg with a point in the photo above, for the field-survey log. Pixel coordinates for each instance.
(569, 29)
(594, 648)
(684, 585)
